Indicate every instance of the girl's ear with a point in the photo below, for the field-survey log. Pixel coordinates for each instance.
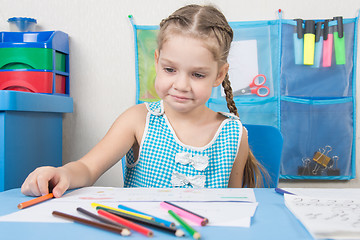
(221, 75)
(156, 55)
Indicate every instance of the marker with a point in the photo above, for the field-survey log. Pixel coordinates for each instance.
(309, 42)
(299, 42)
(327, 44)
(318, 44)
(281, 191)
(35, 201)
(339, 42)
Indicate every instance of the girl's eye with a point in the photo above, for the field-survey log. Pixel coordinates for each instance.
(198, 75)
(169, 70)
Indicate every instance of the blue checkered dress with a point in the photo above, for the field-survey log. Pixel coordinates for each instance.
(156, 163)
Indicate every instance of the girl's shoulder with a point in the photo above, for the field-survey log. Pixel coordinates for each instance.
(140, 111)
(134, 115)
(230, 116)
(137, 110)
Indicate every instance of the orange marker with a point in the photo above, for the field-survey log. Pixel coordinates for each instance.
(35, 201)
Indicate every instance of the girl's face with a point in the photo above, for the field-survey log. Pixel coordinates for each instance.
(186, 72)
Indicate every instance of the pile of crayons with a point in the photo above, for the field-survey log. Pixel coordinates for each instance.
(123, 219)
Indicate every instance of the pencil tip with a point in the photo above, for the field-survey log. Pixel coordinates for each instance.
(196, 235)
(20, 206)
(179, 233)
(125, 232)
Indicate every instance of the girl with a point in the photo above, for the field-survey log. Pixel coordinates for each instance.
(177, 142)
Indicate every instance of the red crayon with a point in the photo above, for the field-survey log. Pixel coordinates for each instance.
(136, 227)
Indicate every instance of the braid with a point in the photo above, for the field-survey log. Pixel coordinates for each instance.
(229, 96)
(178, 18)
(225, 29)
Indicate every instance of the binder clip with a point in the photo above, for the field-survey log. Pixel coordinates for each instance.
(333, 170)
(322, 160)
(305, 168)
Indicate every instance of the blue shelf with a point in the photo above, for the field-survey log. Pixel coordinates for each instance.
(37, 102)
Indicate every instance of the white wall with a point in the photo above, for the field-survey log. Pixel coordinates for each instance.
(102, 56)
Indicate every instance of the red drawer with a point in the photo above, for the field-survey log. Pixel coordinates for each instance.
(32, 81)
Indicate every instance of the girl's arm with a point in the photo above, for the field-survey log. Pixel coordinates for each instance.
(237, 172)
(126, 130)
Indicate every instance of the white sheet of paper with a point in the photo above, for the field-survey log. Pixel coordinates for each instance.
(326, 192)
(161, 194)
(243, 64)
(219, 206)
(219, 213)
(327, 218)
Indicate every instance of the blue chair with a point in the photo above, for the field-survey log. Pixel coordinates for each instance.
(266, 143)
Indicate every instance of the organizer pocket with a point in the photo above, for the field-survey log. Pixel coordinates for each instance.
(146, 45)
(318, 138)
(317, 80)
(252, 68)
(256, 112)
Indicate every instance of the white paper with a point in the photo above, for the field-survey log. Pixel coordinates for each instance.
(243, 64)
(161, 194)
(326, 192)
(219, 213)
(327, 218)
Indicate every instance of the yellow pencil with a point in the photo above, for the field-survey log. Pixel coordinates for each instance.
(94, 205)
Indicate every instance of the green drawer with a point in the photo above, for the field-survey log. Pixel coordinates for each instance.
(60, 61)
(26, 58)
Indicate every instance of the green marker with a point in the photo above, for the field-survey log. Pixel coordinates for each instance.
(185, 225)
(339, 42)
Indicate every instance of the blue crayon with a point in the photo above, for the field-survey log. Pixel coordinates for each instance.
(159, 220)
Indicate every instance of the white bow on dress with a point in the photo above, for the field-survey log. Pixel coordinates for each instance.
(179, 180)
(199, 162)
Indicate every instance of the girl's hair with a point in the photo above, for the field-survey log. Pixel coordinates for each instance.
(209, 24)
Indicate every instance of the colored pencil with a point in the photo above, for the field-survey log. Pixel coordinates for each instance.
(149, 223)
(136, 227)
(200, 220)
(282, 191)
(104, 226)
(35, 201)
(156, 219)
(185, 225)
(99, 218)
(94, 205)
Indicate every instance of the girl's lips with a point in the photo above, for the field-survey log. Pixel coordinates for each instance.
(180, 98)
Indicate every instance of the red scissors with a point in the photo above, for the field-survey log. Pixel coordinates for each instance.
(255, 87)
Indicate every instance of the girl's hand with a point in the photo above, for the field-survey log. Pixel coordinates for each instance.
(41, 179)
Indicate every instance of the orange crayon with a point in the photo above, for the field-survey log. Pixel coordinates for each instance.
(35, 201)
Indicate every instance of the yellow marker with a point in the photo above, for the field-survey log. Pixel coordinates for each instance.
(309, 42)
(94, 205)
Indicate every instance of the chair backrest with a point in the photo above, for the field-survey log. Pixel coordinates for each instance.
(266, 143)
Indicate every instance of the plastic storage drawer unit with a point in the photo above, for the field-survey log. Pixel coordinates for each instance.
(30, 134)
